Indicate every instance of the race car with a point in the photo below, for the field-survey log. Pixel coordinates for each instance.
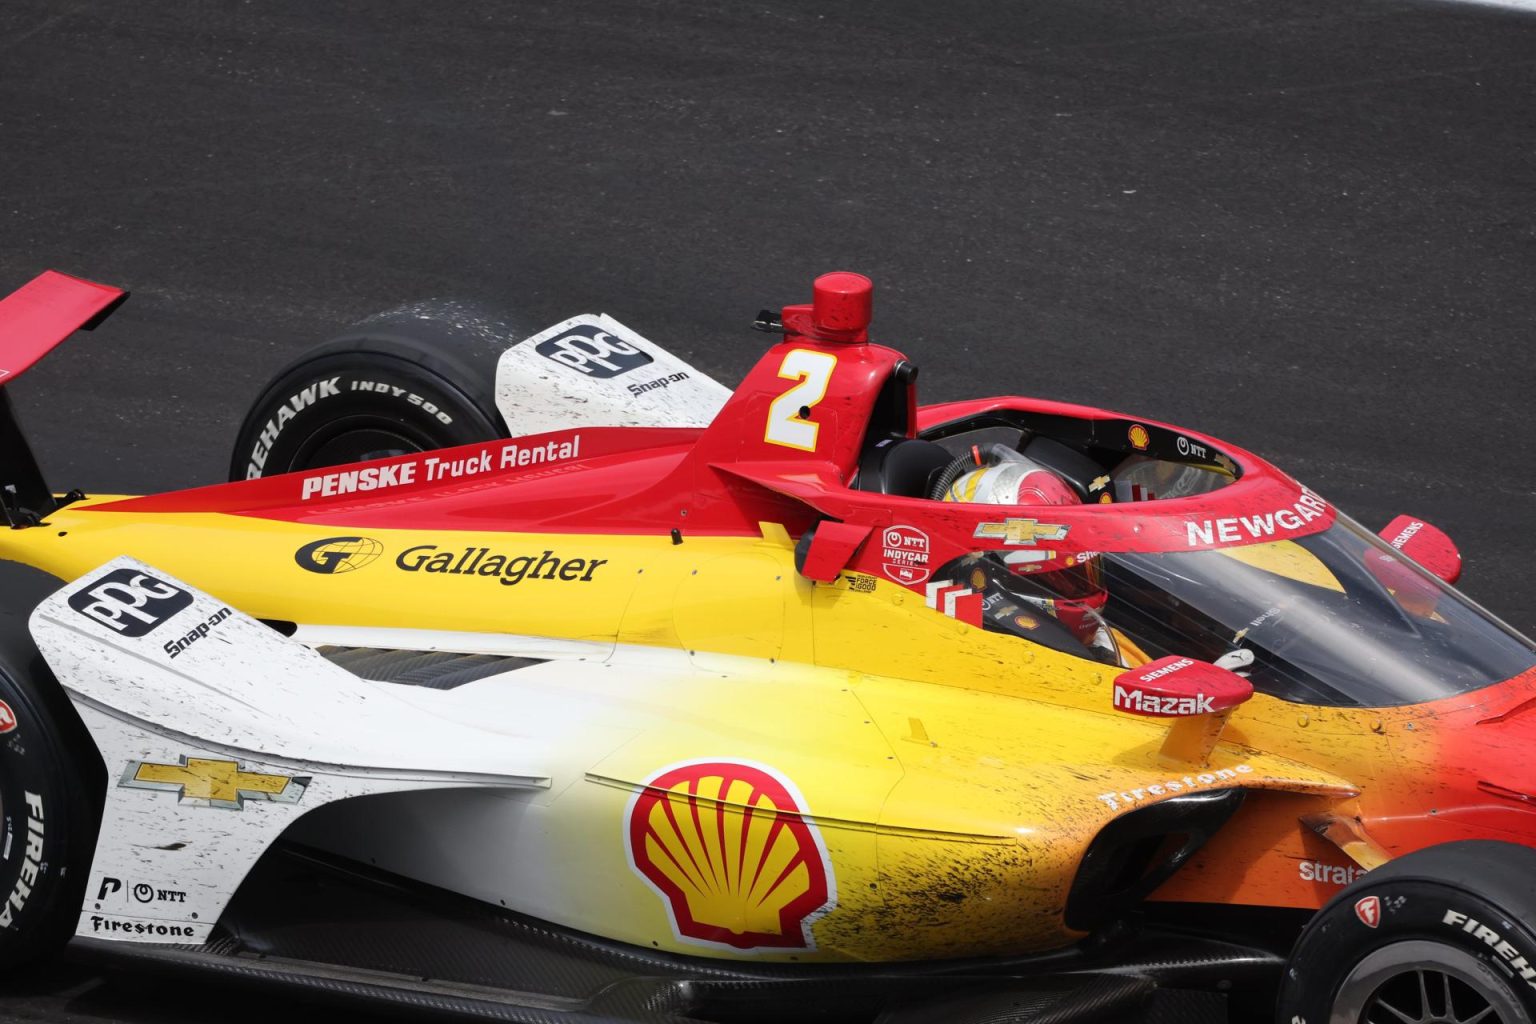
(539, 676)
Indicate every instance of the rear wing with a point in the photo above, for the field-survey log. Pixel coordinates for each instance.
(33, 319)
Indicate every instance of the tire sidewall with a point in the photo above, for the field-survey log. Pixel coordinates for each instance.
(330, 393)
(1406, 908)
(46, 819)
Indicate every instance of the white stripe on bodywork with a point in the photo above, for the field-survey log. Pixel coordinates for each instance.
(240, 692)
(536, 393)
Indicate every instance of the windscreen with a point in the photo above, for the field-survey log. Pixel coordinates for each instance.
(1335, 618)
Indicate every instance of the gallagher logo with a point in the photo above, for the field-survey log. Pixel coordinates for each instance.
(729, 849)
(337, 554)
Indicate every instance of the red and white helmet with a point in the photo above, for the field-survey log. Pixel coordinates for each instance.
(1074, 596)
(1013, 481)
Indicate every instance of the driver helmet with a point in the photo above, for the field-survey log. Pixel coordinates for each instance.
(1074, 596)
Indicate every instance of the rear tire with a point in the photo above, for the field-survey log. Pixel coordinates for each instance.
(412, 379)
(51, 786)
(1454, 936)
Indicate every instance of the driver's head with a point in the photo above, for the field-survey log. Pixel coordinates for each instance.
(1074, 596)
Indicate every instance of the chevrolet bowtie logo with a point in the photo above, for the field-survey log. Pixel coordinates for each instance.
(1020, 531)
(213, 783)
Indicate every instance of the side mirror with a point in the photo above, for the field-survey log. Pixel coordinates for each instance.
(1197, 695)
(1426, 544)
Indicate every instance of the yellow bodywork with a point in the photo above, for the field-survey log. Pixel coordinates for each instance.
(950, 778)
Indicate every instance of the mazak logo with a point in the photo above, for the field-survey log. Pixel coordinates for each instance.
(904, 554)
(130, 601)
(7, 718)
(1140, 702)
(593, 352)
(1368, 910)
(337, 554)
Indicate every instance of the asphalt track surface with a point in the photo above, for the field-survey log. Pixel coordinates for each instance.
(1308, 227)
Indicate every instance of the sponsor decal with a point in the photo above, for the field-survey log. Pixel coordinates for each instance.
(1407, 533)
(1368, 910)
(1329, 874)
(1189, 448)
(31, 861)
(7, 718)
(1099, 483)
(380, 388)
(437, 468)
(658, 384)
(593, 352)
(1016, 532)
(1026, 622)
(196, 633)
(123, 926)
(1172, 787)
(904, 554)
(139, 892)
(337, 554)
(208, 782)
(1233, 529)
(861, 584)
(731, 850)
(1140, 702)
(130, 601)
(1139, 437)
(1512, 957)
(508, 570)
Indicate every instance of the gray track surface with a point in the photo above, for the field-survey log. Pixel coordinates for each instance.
(1305, 226)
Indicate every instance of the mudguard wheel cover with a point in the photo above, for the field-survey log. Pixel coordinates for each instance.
(413, 379)
(50, 781)
(1447, 933)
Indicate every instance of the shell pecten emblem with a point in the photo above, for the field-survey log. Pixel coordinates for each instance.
(731, 850)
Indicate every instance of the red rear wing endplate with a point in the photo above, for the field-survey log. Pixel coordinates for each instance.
(45, 311)
(33, 319)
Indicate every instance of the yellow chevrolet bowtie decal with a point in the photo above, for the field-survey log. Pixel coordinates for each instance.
(213, 783)
(1020, 531)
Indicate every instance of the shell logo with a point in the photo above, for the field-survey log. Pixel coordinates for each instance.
(1139, 437)
(727, 845)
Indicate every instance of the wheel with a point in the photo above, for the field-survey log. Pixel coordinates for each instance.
(412, 379)
(1446, 935)
(51, 786)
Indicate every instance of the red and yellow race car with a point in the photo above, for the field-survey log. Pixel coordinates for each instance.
(541, 675)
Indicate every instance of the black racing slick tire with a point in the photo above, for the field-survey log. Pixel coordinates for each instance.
(412, 379)
(1446, 934)
(51, 781)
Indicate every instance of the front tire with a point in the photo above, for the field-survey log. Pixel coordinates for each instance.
(413, 379)
(1444, 935)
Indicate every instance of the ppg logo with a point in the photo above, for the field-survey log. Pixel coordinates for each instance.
(130, 602)
(593, 351)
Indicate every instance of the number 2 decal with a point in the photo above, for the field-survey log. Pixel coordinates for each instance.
(813, 371)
